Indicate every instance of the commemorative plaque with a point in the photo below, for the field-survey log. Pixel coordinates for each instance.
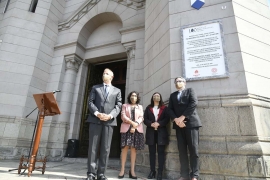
(203, 52)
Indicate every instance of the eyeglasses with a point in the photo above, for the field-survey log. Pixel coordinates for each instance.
(179, 81)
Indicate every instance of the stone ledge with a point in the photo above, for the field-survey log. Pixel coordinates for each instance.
(234, 100)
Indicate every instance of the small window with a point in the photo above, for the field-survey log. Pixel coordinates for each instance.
(33, 6)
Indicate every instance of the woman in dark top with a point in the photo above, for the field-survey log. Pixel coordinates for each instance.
(156, 118)
(131, 132)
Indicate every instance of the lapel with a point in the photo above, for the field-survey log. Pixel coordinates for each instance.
(175, 96)
(160, 111)
(129, 110)
(151, 109)
(182, 94)
(102, 91)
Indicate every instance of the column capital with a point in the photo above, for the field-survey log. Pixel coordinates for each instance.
(73, 62)
(130, 49)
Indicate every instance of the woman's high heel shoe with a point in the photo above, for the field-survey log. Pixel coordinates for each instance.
(151, 175)
(121, 177)
(132, 177)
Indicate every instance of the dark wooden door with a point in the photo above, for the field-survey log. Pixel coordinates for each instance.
(95, 77)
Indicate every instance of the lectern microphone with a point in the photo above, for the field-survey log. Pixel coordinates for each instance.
(56, 91)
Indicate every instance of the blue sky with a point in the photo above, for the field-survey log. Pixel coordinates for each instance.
(268, 2)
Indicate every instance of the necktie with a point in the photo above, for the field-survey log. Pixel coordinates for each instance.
(106, 89)
(179, 95)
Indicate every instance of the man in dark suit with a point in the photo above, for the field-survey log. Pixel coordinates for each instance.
(105, 103)
(186, 122)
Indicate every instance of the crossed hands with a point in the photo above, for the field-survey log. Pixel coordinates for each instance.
(103, 117)
(180, 121)
(155, 125)
(134, 127)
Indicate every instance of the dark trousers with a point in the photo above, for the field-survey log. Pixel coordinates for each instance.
(152, 155)
(100, 138)
(188, 138)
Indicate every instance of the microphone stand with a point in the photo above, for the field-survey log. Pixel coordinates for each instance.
(33, 135)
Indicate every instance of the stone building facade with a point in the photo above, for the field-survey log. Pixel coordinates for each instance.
(63, 44)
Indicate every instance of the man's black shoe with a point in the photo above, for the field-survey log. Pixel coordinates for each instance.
(91, 177)
(102, 177)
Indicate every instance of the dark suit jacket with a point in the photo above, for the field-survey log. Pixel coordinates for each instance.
(163, 119)
(186, 106)
(108, 105)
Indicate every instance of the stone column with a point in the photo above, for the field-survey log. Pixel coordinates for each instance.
(77, 103)
(72, 66)
(130, 49)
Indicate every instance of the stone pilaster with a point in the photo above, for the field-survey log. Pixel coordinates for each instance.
(77, 104)
(72, 66)
(130, 49)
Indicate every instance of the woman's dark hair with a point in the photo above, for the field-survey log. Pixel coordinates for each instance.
(138, 97)
(161, 103)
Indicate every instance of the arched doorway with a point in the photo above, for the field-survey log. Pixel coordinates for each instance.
(94, 77)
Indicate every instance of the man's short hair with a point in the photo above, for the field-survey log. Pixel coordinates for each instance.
(109, 70)
(179, 77)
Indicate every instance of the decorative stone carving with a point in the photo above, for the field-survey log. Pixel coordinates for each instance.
(78, 15)
(134, 4)
(73, 61)
(130, 49)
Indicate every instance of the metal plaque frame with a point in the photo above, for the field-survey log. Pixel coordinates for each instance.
(226, 74)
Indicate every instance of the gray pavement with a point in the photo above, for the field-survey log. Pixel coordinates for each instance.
(56, 170)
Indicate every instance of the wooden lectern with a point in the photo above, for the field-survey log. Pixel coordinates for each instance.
(47, 106)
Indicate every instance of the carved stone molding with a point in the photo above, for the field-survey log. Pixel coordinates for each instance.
(78, 15)
(130, 49)
(134, 4)
(73, 62)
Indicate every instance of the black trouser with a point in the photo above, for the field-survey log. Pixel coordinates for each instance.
(188, 138)
(100, 138)
(152, 155)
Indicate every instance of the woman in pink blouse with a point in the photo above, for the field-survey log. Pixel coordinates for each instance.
(131, 132)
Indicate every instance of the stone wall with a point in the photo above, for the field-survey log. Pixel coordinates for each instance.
(254, 38)
(157, 65)
(234, 139)
(25, 57)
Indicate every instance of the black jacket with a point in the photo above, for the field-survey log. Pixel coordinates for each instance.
(186, 106)
(163, 119)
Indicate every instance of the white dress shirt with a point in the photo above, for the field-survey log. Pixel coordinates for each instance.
(108, 90)
(156, 111)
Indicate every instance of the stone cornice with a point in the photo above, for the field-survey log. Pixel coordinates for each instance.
(234, 100)
(96, 46)
(102, 45)
(68, 44)
(88, 5)
(73, 61)
(131, 28)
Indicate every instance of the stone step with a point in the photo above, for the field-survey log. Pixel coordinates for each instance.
(113, 162)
